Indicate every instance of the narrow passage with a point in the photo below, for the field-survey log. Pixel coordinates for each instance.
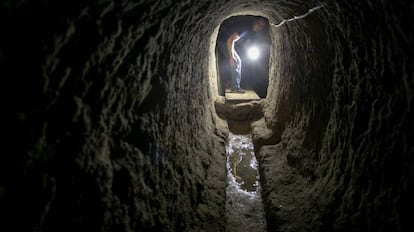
(243, 194)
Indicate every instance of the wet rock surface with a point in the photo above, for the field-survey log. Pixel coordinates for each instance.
(244, 206)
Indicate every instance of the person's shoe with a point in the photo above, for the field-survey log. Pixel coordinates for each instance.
(239, 90)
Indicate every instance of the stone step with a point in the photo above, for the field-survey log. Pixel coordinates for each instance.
(248, 95)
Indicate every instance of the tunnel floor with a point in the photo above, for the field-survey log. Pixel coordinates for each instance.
(248, 95)
(244, 206)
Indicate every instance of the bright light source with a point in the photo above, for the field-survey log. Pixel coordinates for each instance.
(253, 53)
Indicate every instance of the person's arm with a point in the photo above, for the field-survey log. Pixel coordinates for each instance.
(230, 47)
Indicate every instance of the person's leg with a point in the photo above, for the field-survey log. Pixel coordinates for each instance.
(236, 77)
(233, 77)
(238, 72)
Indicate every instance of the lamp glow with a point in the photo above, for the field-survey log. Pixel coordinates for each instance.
(253, 53)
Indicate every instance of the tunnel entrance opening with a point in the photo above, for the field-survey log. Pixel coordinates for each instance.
(244, 207)
(247, 40)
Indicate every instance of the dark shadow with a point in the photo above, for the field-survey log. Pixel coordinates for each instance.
(239, 127)
(254, 73)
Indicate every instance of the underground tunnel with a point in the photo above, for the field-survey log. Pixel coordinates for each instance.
(114, 121)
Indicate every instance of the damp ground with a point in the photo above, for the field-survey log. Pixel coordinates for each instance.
(244, 206)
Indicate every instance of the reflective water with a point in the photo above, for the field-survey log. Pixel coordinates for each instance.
(242, 163)
(244, 203)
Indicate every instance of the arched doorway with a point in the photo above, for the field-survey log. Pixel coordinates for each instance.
(251, 42)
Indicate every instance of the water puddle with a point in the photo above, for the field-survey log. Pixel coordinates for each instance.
(242, 163)
(244, 206)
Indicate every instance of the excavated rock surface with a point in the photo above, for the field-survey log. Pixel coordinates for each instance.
(246, 111)
(113, 126)
(341, 105)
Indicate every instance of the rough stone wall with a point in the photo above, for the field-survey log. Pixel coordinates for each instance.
(297, 111)
(366, 161)
(111, 126)
(300, 79)
(340, 107)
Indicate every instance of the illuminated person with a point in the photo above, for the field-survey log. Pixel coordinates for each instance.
(232, 31)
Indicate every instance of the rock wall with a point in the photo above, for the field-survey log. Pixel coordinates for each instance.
(111, 124)
(339, 107)
(367, 154)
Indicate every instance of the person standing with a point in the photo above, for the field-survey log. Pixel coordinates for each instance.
(230, 33)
